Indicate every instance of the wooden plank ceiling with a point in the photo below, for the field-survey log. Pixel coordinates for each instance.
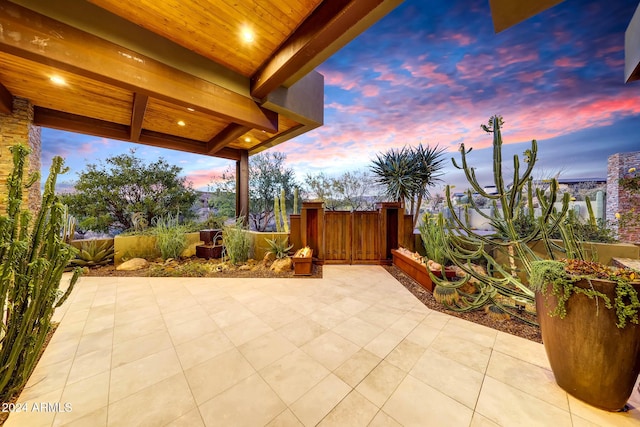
(182, 74)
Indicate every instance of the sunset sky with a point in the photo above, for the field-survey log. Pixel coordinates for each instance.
(431, 72)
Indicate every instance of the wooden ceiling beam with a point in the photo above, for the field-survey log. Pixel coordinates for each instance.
(6, 100)
(80, 124)
(140, 102)
(46, 41)
(227, 135)
(326, 25)
(507, 13)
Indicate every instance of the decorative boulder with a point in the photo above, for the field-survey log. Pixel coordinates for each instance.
(282, 265)
(133, 264)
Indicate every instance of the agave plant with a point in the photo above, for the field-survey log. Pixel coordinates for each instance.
(278, 247)
(93, 254)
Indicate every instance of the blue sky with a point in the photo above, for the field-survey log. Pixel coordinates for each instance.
(431, 72)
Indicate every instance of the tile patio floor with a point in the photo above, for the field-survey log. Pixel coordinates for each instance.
(352, 349)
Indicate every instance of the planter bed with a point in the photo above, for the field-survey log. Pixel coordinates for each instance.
(413, 268)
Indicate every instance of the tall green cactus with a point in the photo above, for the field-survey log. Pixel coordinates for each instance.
(33, 256)
(276, 213)
(509, 205)
(296, 192)
(283, 208)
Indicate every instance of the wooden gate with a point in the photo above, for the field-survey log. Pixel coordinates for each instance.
(352, 237)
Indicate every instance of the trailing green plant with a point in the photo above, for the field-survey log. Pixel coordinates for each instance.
(561, 278)
(33, 256)
(278, 247)
(237, 242)
(171, 239)
(92, 254)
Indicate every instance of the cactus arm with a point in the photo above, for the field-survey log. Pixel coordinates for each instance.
(276, 211)
(283, 207)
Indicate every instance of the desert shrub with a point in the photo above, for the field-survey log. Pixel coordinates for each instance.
(237, 242)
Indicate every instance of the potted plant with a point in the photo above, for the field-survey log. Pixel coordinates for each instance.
(588, 315)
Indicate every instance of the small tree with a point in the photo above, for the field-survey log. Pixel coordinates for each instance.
(353, 191)
(408, 173)
(109, 194)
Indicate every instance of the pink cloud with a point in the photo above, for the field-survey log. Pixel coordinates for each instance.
(568, 63)
(370, 91)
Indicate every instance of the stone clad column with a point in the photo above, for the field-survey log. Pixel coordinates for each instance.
(621, 201)
(18, 128)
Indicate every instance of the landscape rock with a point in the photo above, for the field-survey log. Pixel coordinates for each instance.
(133, 264)
(282, 265)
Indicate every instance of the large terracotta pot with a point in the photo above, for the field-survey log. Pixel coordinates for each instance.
(591, 358)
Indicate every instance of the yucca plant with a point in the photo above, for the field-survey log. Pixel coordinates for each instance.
(92, 254)
(33, 257)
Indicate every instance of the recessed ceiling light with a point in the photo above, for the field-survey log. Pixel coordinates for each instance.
(58, 80)
(190, 109)
(181, 123)
(247, 139)
(247, 35)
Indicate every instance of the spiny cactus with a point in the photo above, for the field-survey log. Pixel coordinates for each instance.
(33, 256)
(509, 205)
(68, 225)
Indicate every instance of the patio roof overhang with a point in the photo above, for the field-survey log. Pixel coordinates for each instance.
(226, 79)
(632, 49)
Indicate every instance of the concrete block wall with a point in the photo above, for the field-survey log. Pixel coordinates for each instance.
(18, 128)
(620, 200)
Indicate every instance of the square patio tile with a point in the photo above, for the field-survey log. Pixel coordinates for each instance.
(382, 419)
(246, 330)
(531, 379)
(137, 348)
(217, 374)
(358, 331)
(190, 419)
(293, 375)
(381, 383)
(142, 373)
(353, 411)
(86, 396)
(156, 405)
(320, 400)
(417, 404)
(302, 331)
(266, 349)
(357, 367)
(449, 377)
(203, 348)
(249, 403)
(461, 350)
(384, 343)
(330, 349)
(405, 355)
(285, 419)
(523, 409)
